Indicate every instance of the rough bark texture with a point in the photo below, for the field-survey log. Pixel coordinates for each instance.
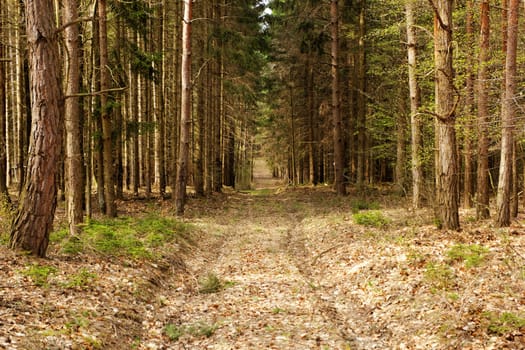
(415, 123)
(34, 219)
(74, 190)
(3, 148)
(507, 119)
(185, 120)
(446, 170)
(339, 157)
(482, 195)
(107, 128)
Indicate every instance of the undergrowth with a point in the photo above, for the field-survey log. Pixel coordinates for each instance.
(373, 218)
(125, 236)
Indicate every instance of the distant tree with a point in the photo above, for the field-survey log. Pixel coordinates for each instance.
(34, 218)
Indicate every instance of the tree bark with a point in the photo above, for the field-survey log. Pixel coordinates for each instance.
(34, 219)
(360, 98)
(3, 113)
(468, 179)
(447, 171)
(185, 120)
(415, 122)
(74, 188)
(507, 119)
(339, 157)
(482, 195)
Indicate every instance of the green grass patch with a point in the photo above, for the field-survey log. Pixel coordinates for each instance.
(472, 255)
(373, 218)
(39, 274)
(211, 283)
(439, 276)
(125, 236)
(198, 330)
(504, 323)
(82, 279)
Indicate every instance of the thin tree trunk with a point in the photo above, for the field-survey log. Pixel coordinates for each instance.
(339, 157)
(185, 121)
(508, 119)
(34, 219)
(447, 171)
(415, 123)
(360, 98)
(3, 112)
(107, 127)
(468, 190)
(482, 195)
(74, 188)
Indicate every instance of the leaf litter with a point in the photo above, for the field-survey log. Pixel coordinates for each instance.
(293, 270)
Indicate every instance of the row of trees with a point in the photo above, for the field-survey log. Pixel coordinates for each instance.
(428, 99)
(118, 96)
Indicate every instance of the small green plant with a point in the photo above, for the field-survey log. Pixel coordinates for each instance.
(173, 332)
(440, 276)
(198, 329)
(39, 274)
(202, 329)
(210, 284)
(361, 204)
(278, 310)
(472, 254)
(373, 218)
(81, 279)
(504, 323)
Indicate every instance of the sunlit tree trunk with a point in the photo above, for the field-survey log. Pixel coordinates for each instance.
(3, 111)
(34, 219)
(468, 179)
(482, 194)
(185, 120)
(415, 123)
(508, 119)
(447, 170)
(74, 188)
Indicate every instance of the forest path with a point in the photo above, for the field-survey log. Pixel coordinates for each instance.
(267, 302)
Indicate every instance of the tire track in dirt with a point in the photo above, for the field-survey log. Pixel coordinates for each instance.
(268, 302)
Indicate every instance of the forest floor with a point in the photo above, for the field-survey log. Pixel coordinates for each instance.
(274, 268)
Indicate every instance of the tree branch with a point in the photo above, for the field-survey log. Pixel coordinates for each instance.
(96, 93)
(438, 16)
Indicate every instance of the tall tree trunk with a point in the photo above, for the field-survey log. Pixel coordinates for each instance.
(447, 170)
(361, 98)
(468, 181)
(339, 155)
(107, 128)
(508, 119)
(74, 188)
(34, 219)
(3, 112)
(185, 120)
(158, 100)
(415, 122)
(482, 195)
